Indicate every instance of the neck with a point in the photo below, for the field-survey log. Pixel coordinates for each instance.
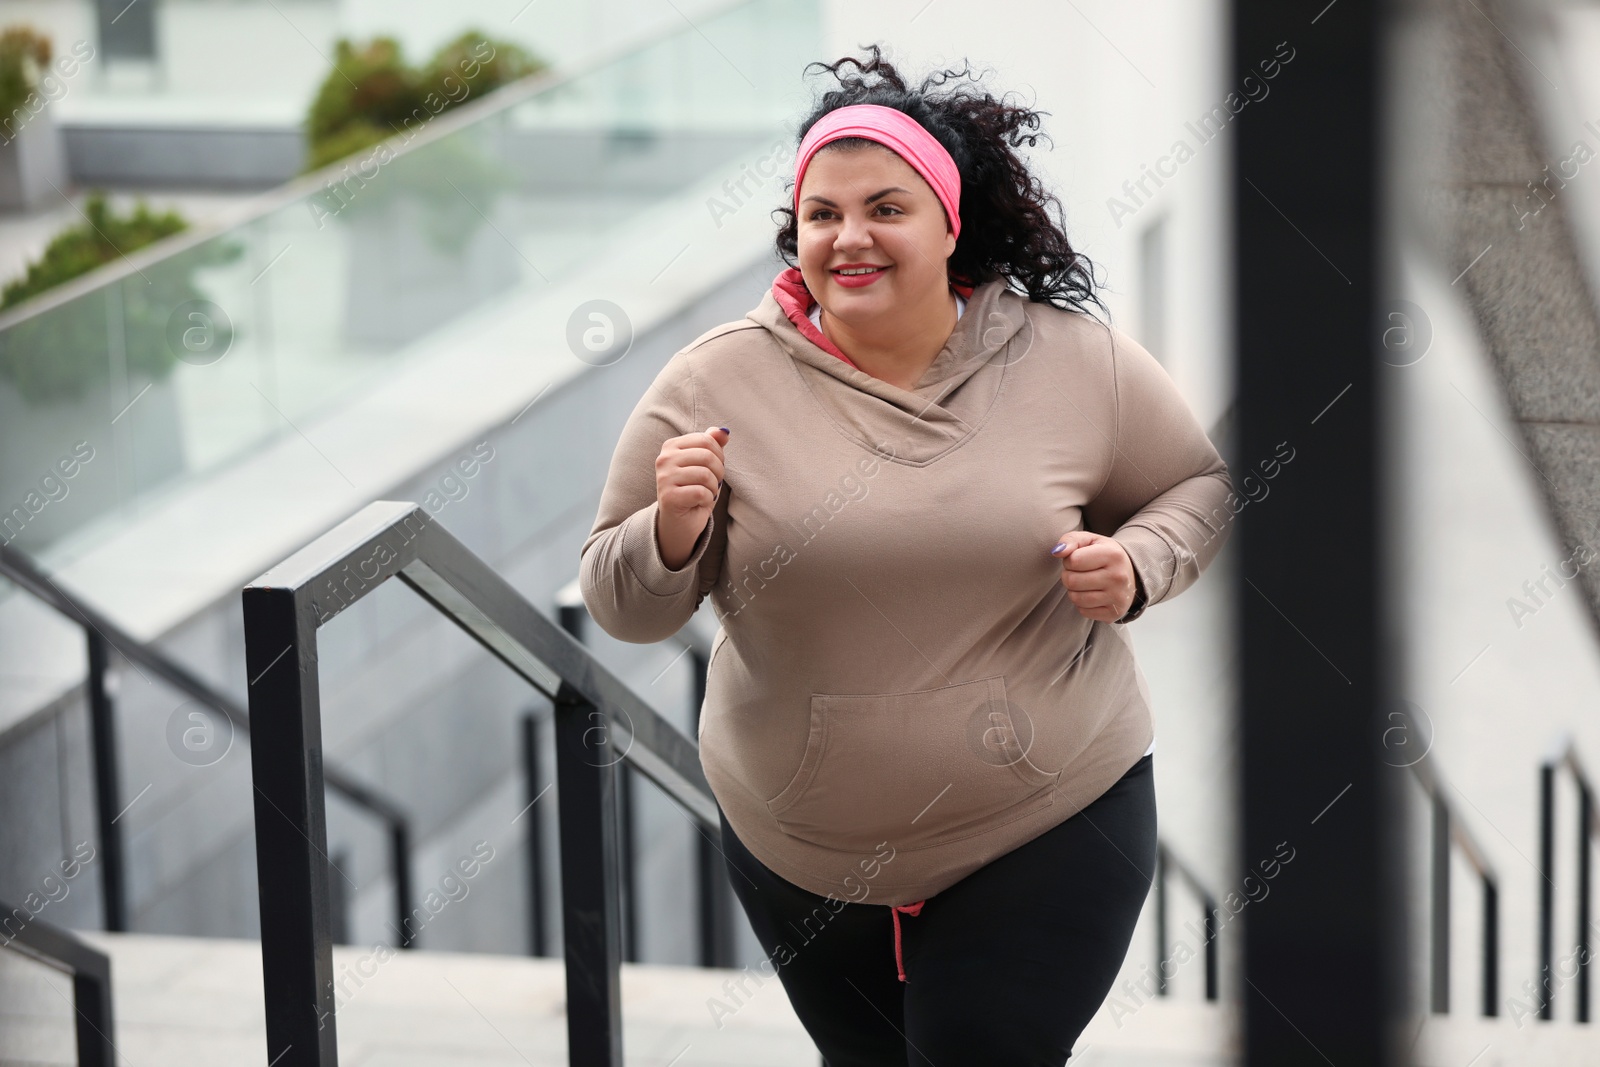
(900, 348)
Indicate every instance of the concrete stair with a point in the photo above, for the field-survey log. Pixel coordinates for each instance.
(186, 1002)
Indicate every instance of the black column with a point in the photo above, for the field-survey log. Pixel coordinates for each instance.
(1320, 981)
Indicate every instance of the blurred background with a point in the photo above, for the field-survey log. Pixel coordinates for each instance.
(264, 262)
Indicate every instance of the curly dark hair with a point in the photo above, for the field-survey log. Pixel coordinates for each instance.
(1006, 227)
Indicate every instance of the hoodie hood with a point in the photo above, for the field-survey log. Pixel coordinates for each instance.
(789, 289)
(951, 399)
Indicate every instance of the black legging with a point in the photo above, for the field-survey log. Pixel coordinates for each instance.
(1005, 966)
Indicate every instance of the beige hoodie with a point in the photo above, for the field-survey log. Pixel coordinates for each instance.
(901, 690)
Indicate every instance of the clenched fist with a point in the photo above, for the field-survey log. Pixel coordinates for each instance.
(1099, 576)
(688, 482)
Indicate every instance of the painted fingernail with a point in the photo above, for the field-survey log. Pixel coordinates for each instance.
(1056, 551)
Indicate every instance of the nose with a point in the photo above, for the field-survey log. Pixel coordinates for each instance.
(853, 234)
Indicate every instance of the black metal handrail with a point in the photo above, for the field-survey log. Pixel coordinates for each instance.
(91, 978)
(1448, 829)
(599, 723)
(101, 632)
(1564, 754)
(1168, 863)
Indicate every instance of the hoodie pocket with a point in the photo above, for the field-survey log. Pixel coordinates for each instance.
(912, 769)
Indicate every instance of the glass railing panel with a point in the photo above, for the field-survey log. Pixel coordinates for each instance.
(174, 369)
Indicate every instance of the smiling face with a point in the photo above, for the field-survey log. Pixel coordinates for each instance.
(867, 207)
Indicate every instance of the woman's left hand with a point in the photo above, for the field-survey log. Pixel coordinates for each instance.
(1098, 575)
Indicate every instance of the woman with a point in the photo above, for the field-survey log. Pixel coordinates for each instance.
(923, 720)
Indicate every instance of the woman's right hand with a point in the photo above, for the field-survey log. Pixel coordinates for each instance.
(688, 481)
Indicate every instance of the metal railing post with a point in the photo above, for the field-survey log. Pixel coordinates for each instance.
(291, 831)
(1447, 831)
(572, 616)
(1167, 865)
(1585, 829)
(107, 786)
(586, 788)
(535, 835)
(1439, 926)
(716, 902)
(1564, 754)
(627, 865)
(1491, 943)
(1213, 987)
(91, 1003)
(400, 861)
(1161, 917)
(91, 979)
(1547, 886)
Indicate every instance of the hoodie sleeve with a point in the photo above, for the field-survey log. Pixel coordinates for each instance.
(1164, 497)
(627, 586)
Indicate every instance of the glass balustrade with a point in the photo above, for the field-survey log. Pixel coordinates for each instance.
(147, 375)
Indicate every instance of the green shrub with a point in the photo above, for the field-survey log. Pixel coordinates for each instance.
(56, 354)
(506, 63)
(372, 91)
(24, 56)
(81, 248)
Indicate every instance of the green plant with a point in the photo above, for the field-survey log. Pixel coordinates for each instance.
(372, 93)
(80, 248)
(24, 56)
(56, 354)
(481, 63)
(365, 97)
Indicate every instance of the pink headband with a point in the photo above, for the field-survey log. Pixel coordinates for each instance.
(896, 130)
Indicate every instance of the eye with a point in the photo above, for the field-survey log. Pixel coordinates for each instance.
(821, 211)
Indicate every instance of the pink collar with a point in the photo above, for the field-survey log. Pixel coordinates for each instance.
(789, 290)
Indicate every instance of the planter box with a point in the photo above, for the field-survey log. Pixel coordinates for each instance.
(30, 161)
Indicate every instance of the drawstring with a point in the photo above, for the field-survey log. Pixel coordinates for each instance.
(909, 909)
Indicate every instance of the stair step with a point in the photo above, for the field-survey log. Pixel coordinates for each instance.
(182, 1001)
